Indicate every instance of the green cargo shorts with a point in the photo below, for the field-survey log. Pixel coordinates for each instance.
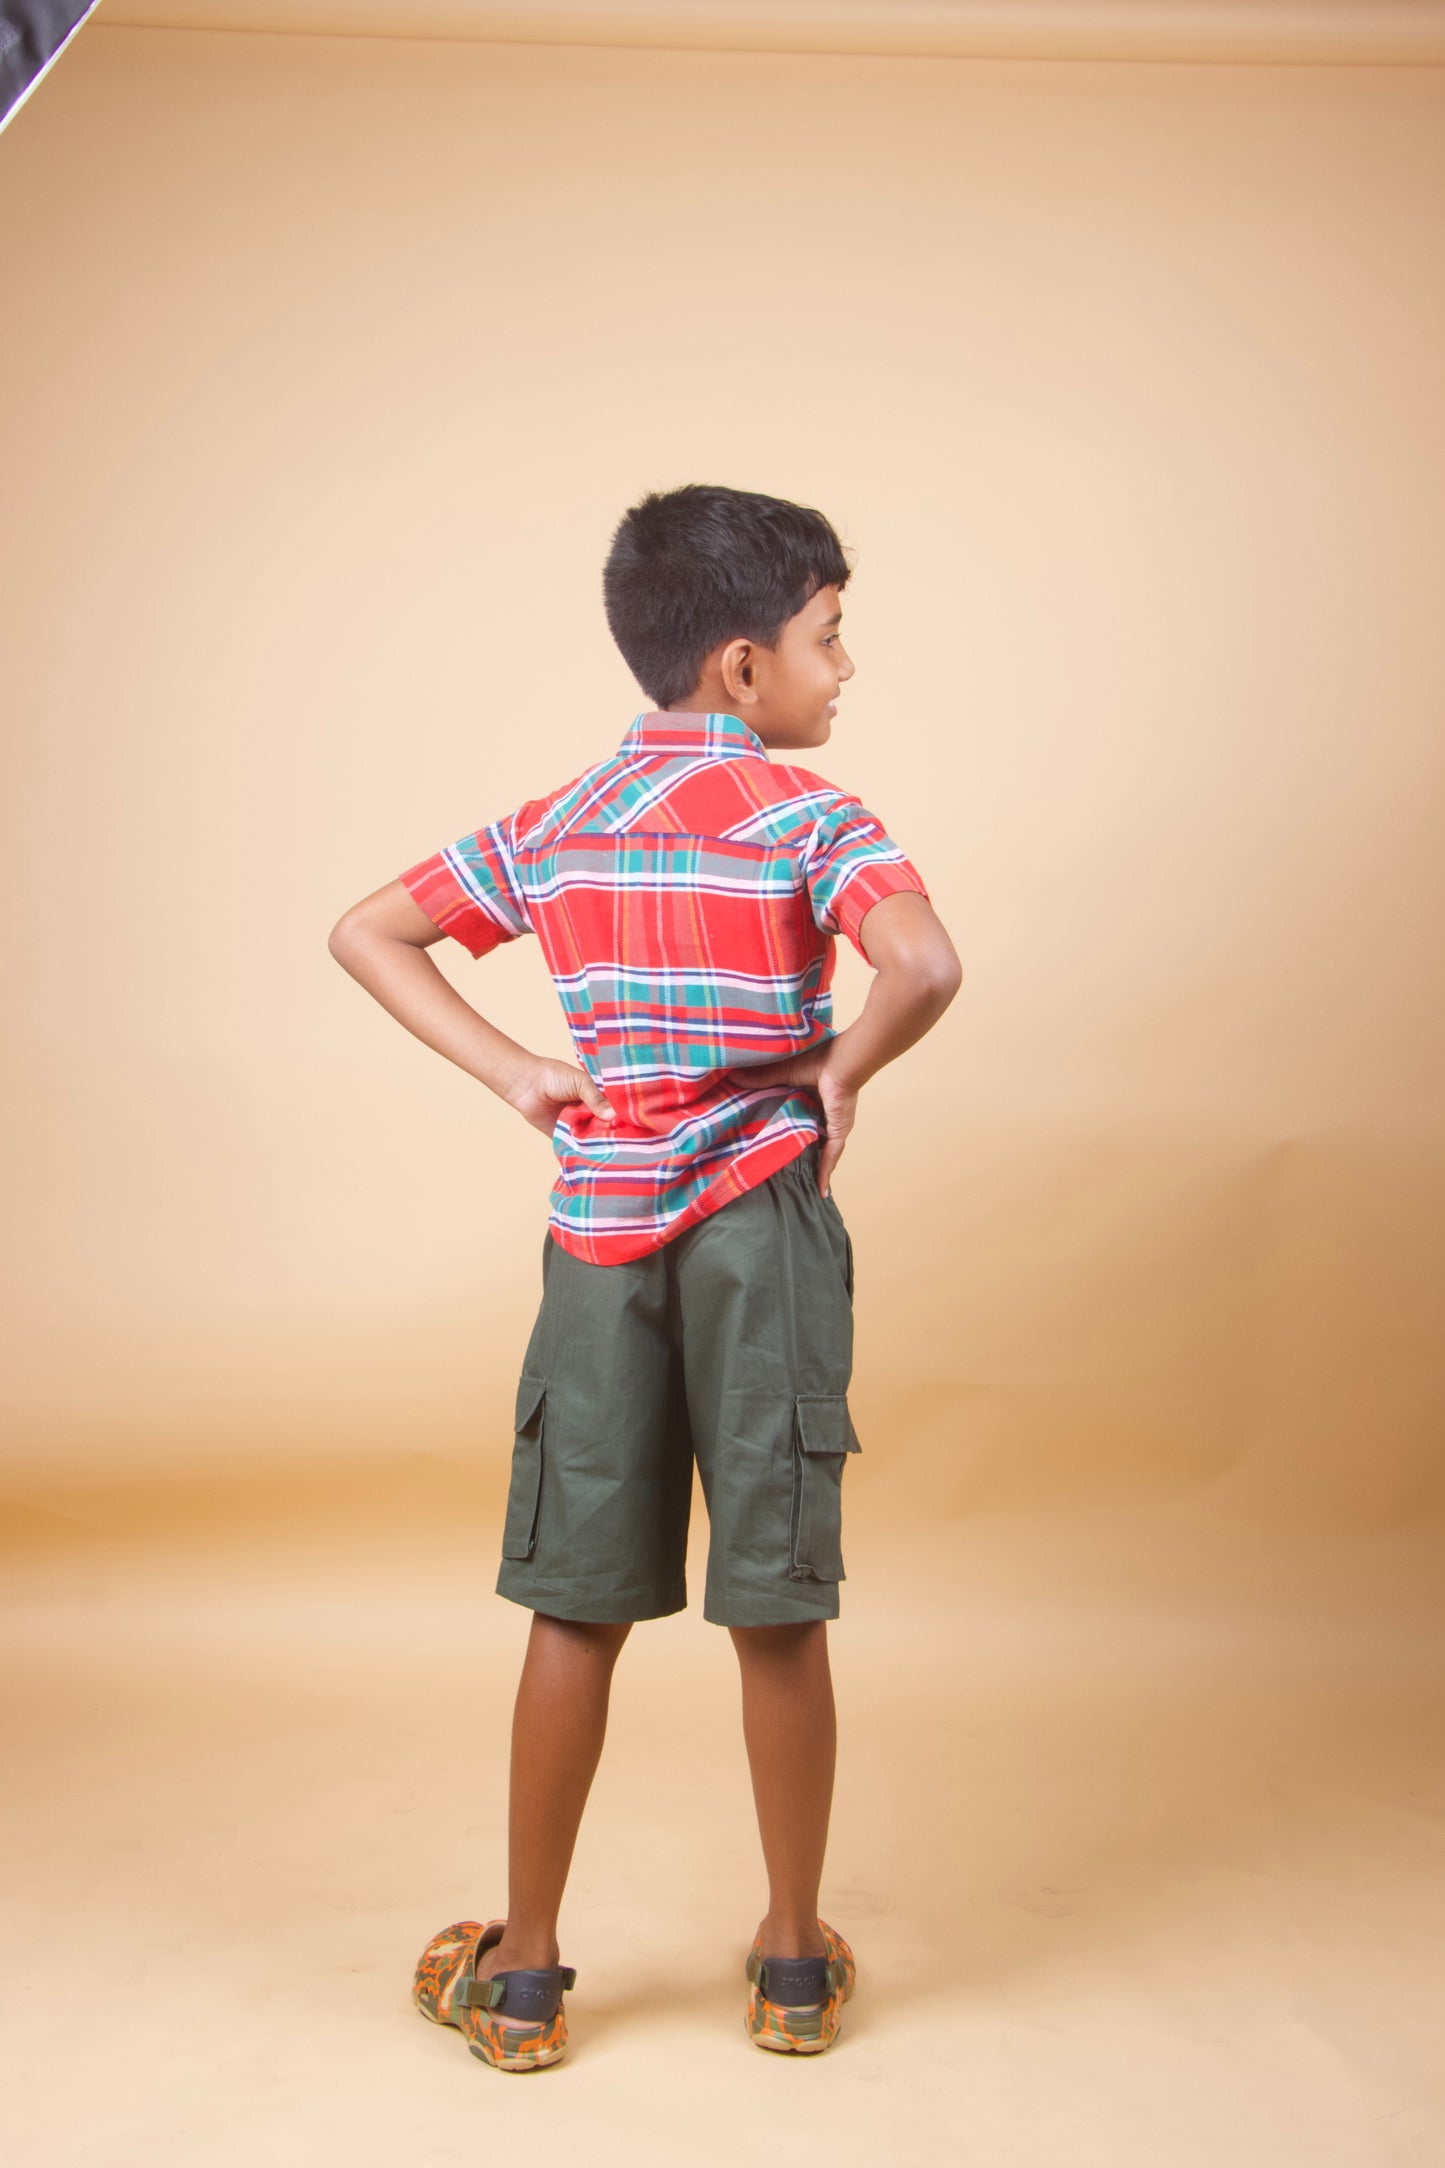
(732, 1344)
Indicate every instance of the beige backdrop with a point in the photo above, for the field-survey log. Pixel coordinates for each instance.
(328, 366)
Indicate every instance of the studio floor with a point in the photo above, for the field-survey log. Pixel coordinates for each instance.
(1139, 1838)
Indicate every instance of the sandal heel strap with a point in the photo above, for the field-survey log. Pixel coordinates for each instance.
(523, 1993)
(790, 1981)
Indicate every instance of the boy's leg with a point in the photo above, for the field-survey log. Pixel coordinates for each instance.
(765, 1292)
(558, 1725)
(790, 1727)
(596, 1529)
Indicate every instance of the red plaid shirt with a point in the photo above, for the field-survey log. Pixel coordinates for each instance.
(686, 892)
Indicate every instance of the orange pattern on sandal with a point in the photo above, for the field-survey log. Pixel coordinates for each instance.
(806, 2028)
(491, 2036)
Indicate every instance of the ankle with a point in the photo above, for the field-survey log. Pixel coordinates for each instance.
(521, 1949)
(795, 1934)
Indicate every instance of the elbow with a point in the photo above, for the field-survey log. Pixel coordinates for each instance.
(940, 979)
(341, 941)
(931, 971)
(948, 976)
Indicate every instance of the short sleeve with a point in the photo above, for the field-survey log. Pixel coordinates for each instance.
(470, 888)
(852, 863)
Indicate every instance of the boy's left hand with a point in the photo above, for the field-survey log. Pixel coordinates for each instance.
(840, 1100)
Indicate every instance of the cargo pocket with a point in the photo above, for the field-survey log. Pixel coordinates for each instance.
(823, 1437)
(519, 1532)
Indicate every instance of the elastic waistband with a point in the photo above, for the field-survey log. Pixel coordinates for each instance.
(804, 1162)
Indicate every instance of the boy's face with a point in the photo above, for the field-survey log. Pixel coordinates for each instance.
(786, 693)
(799, 679)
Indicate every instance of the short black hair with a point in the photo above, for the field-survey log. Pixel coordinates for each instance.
(692, 567)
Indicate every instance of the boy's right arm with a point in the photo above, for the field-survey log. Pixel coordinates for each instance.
(382, 942)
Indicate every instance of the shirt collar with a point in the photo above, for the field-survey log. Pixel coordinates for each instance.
(689, 730)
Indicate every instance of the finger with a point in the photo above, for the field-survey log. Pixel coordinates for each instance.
(783, 1069)
(828, 1159)
(594, 1098)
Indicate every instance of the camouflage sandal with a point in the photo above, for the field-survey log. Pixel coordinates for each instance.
(796, 2004)
(514, 2021)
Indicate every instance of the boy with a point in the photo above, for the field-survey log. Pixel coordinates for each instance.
(697, 1275)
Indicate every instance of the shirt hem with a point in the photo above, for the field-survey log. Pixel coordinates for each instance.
(749, 1171)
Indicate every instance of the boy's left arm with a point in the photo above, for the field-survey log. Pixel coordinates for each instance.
(916, 973)
(863, 885)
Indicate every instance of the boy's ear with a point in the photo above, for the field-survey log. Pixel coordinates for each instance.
(736, 665)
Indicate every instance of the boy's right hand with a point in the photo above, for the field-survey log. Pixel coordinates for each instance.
(541, 1088)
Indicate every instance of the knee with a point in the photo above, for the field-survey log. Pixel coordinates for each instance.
(594, 1637)
(771, 1644)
